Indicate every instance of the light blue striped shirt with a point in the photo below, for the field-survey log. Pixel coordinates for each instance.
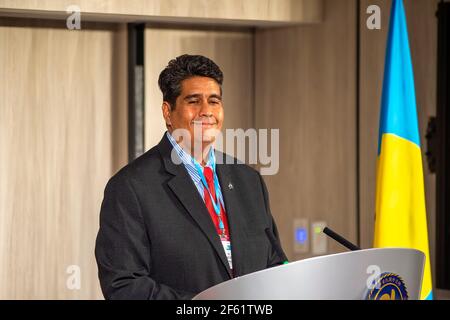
(189, 163)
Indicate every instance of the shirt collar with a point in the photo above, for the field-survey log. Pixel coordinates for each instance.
(187, 159)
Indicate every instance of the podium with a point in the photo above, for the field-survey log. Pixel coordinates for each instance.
(374, 274)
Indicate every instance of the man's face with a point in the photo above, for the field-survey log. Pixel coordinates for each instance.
(199, 105)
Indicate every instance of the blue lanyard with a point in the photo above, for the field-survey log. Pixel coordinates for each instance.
(217, 203)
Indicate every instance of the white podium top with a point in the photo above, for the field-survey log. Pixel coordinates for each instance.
(345, 276)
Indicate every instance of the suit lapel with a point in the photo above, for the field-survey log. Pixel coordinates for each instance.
(232, 208)
(185, 190)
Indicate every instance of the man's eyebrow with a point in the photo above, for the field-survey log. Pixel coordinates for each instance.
(198, 95)
(194, 95)
(216, 96)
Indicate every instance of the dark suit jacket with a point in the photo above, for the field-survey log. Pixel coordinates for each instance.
(156, 237)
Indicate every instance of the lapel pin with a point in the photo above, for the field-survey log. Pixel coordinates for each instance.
(230, 186)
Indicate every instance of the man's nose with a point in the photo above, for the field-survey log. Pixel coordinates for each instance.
(206, 108)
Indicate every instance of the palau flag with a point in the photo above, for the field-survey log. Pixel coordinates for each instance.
(400, 218)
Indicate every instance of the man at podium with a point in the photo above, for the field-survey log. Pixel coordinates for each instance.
(175, 221)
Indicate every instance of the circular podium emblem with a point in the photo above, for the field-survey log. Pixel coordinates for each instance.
(388, 286)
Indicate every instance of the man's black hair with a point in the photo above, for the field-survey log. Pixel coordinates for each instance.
(184, 67)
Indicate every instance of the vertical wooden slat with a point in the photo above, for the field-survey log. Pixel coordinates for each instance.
(306, 87)
(58, 106)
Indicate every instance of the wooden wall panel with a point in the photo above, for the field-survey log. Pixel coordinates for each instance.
(60, 95)
(249, 12)
(422, 27)
(306, 87)
(231, 50)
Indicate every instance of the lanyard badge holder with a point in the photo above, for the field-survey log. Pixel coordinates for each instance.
(217, 203)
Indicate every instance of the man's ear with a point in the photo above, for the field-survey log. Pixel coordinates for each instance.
(166, 109)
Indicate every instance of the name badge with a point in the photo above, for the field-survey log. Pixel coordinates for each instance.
(227, 247)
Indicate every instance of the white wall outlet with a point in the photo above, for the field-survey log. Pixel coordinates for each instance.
(318, 238)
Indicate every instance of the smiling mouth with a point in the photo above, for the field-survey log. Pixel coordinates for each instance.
(204, 124)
